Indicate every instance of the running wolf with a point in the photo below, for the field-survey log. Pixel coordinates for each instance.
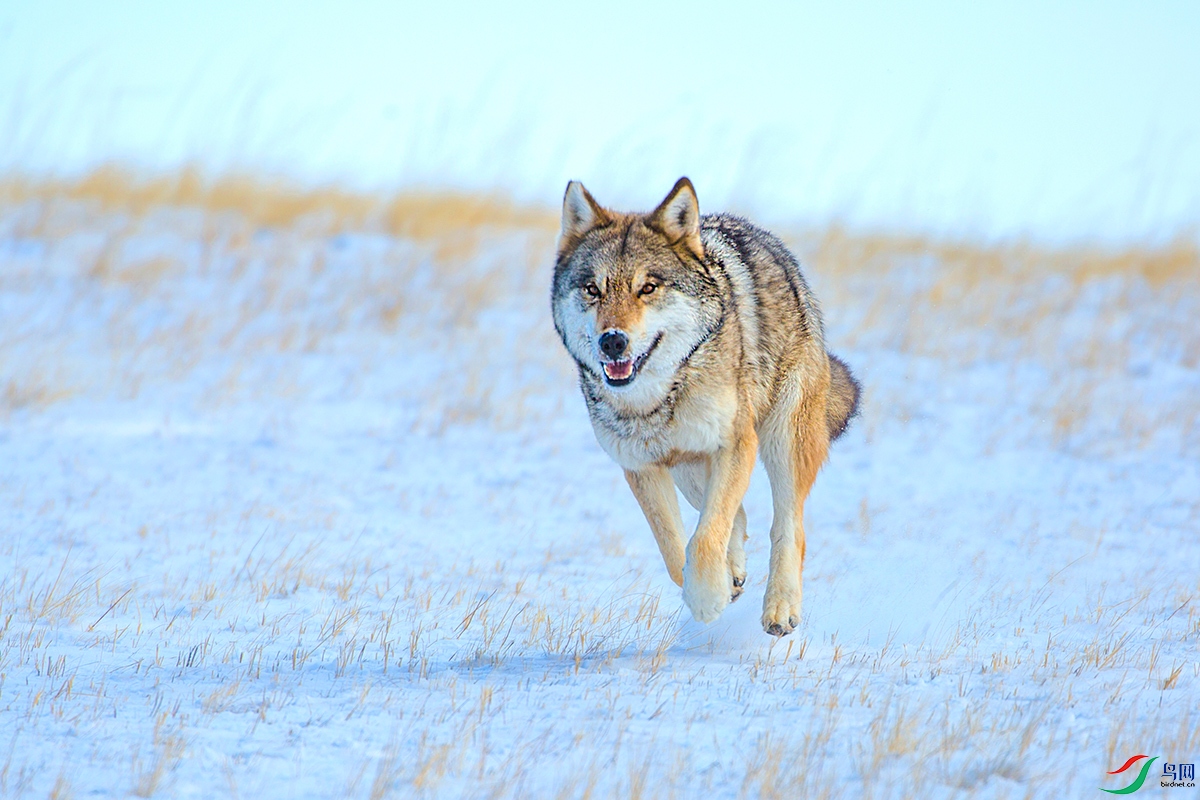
(698, 342)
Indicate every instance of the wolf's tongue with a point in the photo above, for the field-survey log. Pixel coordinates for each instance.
(619, 370)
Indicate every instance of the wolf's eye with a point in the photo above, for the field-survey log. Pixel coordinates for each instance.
(646, 289)
(592, 289)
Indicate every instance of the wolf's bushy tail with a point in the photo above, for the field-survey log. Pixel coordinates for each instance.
(843, 397)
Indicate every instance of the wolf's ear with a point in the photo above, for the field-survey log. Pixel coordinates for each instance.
(580, 214)
(678, 217)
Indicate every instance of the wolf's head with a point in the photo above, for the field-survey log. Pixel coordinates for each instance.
(632, 297)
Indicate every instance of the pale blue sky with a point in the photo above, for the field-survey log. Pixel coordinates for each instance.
(1058, 120)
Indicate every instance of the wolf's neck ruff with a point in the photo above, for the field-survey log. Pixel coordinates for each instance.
(616, 408)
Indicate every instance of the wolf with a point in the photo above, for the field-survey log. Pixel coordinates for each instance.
(698, 343)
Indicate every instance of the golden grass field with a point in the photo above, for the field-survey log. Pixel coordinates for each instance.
(238, 549)
(1023, 292)
(1026, 300)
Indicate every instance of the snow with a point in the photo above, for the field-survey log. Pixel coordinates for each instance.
(311, 508)
(265, 537)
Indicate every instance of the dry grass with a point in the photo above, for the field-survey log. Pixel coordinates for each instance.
(279, 204)
(468, 650)
(438, 265)
(1069, 309)
(244, 630)
(291, 273)
(1094, 329)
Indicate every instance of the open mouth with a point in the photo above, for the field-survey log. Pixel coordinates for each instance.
(622, 373)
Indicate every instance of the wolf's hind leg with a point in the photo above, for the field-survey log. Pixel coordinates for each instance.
(692, 479)
(794, 443)
(656, 495)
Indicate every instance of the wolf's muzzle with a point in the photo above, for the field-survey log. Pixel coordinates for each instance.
(622, 371)
(613, 344)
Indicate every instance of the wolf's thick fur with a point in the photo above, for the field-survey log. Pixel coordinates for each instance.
(698, 342)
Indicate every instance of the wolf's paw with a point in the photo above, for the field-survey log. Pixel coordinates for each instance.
(736, 564)
(706, 595)
(781, 614)
(735, 558)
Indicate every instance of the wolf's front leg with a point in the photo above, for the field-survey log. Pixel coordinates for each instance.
(692, 479)
(707, 582)
(655, 493)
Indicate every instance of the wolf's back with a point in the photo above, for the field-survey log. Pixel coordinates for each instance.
(843, 397)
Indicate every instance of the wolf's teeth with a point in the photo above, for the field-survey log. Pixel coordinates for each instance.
(618, 370)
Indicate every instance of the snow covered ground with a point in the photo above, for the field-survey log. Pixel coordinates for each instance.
(298, 497)
(306, 505)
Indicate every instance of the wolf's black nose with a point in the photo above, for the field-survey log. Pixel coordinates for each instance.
(613, 344)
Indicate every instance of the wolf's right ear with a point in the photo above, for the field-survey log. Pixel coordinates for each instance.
(678, 217)
(580, 214)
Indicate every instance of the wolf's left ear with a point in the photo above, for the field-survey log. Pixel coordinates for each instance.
(678, 217)
(580, 214)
